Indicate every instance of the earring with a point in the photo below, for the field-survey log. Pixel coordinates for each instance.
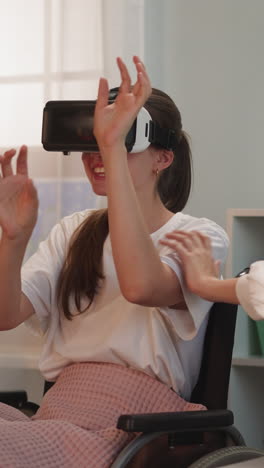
(156, 172)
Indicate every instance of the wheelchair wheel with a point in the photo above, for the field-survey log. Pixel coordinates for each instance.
(227, 456)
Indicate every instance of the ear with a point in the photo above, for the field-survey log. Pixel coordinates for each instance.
(164, 159)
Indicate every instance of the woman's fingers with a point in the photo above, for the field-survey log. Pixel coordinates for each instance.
(5, 162)
(137, 85)
(179, 247)
(21, 165)
(217, 268)
(206, 241)
(136, 60)
(201, 240)
(191, 242)
(102, 96)
(125, 86)
(192, 239)
(188, 239)
(142, 88)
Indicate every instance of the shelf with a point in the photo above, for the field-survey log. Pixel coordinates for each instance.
(245, 228)
(250, 361)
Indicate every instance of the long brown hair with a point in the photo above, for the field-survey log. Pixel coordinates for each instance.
(82, 271)
(174, 184)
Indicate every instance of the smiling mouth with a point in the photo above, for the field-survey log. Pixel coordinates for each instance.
(99, 171)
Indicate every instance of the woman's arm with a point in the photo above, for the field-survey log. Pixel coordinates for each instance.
(200, 269)
(143, 278)
(18, 214)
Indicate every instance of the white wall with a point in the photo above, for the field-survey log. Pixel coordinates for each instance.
(208, 55)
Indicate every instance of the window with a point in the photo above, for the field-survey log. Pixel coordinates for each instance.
(50, 49)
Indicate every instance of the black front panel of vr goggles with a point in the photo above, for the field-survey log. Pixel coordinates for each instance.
(68, 126)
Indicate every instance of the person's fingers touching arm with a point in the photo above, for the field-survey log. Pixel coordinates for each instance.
(200, 269)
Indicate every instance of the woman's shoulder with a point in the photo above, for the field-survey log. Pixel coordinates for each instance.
(75, 219)
(186, 222)
(64, 229)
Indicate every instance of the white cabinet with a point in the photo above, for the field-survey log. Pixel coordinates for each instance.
(245, 228)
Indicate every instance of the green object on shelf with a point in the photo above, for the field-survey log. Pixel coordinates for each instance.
(254, 348)
(260, 330)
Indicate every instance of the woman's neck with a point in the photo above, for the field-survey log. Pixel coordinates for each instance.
(155, 214)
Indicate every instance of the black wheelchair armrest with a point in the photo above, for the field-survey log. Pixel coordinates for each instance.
(182, 421)
(18, 399)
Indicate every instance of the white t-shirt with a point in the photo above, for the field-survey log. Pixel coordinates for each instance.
(250, 291)
(162, 342)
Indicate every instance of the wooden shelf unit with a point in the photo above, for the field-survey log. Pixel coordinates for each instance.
(245, 228)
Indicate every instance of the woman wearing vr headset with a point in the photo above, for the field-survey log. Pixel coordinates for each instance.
(122, 331)
(201, 273)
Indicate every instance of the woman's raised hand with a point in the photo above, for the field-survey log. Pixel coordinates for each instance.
(18, 197)
(112, 122)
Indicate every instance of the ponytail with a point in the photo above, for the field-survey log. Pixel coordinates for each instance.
(174, 183)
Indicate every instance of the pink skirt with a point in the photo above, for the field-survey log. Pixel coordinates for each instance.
(75, 425)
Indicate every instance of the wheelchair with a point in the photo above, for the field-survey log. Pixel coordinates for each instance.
(192, 439)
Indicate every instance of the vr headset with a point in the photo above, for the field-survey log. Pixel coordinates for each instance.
(68, 126)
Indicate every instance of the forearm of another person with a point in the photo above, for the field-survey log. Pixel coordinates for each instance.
(201, 272)
(247, 290)
(14, 305)
(217, 290)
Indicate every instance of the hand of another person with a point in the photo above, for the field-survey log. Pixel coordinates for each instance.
(112, 122)
(195, 252)
(18, 196)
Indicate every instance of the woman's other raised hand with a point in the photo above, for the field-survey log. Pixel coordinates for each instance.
(18, 196)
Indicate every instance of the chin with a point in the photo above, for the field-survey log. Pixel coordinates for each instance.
(100, 192)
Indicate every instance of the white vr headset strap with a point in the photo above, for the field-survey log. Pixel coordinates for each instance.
(142, 131)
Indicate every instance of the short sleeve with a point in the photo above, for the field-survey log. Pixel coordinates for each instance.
(250, 291)
(39, 278)
(187, 322)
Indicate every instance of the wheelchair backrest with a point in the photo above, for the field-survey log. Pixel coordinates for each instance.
(213, 382)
